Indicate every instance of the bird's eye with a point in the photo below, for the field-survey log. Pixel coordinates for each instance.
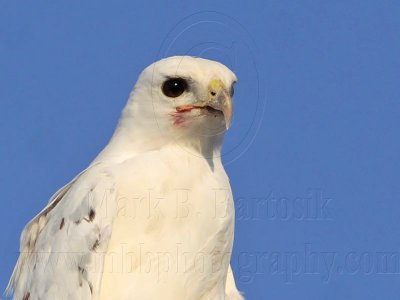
(232, 90)
(174, 87)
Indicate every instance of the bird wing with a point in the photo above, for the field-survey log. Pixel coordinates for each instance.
(231, 291)
(62, 248)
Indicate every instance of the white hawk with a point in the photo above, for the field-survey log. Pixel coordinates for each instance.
(152, 217)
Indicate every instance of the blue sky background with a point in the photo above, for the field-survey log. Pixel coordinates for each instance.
(313, 153)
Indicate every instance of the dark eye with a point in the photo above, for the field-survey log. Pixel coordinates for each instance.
(174, 87)
(232, 91)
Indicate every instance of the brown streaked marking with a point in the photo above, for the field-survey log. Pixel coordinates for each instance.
(92, 214)
(62, 223)
(27, 296)
(95, 245)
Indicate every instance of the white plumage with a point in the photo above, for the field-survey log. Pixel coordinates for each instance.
(152, 217)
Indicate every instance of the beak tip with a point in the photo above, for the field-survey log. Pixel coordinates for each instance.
(227, 116)
(227, 122)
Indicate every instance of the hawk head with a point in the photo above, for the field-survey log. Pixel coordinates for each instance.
(180, 99)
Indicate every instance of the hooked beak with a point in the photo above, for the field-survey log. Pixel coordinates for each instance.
(218, 99)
